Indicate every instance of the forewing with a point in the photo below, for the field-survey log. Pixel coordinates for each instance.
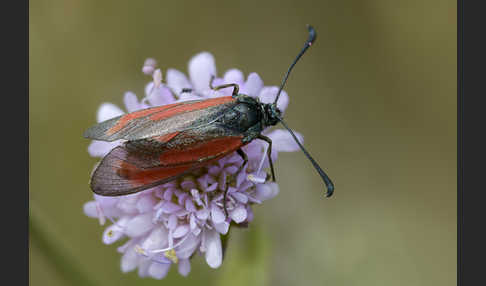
(159, 121)
(130, 169)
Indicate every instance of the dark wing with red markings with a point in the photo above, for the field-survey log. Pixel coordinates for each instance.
(160, 121)
(143, 164)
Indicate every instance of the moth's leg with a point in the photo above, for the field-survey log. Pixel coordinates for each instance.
(269, 152)
(244, 157)
(236, 88)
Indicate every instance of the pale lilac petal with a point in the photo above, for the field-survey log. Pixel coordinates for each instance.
(213, 250)
(158, 270)
(170, 207)
(283, 140)
(202, 214)
(192, 222)
(131, 101)
(181, 230)
(113, 233)
(128, 204)
(172, 222)
(253, 85)
(149, 66)
(217, 214)
(177, 80)
(143, 267)
(146, 203)
(101, 148)
(186, 96)
(268, 95)
(189, 204)
(108, 111)
(168, 194)
(139, 225)
(187, 248)
(196, 231)
(106, 202)
(238, 214)
(188, 184)
(129, 260)
(184, 267)
(234, 76)
(90, 209)
(201, 68)
(158, 96)
(222, 227)
(157, 239)
(266, 191)
(242, 198)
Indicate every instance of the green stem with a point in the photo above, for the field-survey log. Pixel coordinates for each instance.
(62, 262)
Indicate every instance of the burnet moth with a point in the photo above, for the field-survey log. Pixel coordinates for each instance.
(166, 142)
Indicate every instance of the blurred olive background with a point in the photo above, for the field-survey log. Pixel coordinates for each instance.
(375, 99)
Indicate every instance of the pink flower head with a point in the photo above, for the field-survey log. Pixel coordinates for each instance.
(167, 224)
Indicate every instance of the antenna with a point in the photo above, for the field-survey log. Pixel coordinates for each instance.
(308, 43)
(325, 178)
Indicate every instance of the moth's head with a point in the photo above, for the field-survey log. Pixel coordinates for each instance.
(273, 114)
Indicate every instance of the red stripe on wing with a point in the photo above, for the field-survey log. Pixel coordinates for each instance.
(166, 138)
(139, 177)
(201, 152)
(191, 107)
(123, 121)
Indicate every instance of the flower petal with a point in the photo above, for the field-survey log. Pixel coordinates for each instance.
(158, 270)
(172, 221)
(145, 203)
(149, 66)
(129, 260)
(131, 101)
(202, 214)
(284, 142)
(253, 85)
(113, 233)
(90, 209)
(108, 111)
(222, 227)
(181, 230)
(139, 225)
(101, 148)
(234, 76)
(268, 95)
(238, 214)
(157, 239)
(177, 80)
(214, 252)
(201, 68)
(217, 214)
(187, 248)
(143, 267)
(158, 96)
(266, 191)
(184, 267)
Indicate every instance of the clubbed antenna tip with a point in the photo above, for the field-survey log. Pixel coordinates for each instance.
(308, 43)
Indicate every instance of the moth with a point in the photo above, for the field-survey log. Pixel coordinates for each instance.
(166, 142)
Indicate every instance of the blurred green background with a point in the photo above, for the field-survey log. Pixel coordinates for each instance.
(375, 99)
